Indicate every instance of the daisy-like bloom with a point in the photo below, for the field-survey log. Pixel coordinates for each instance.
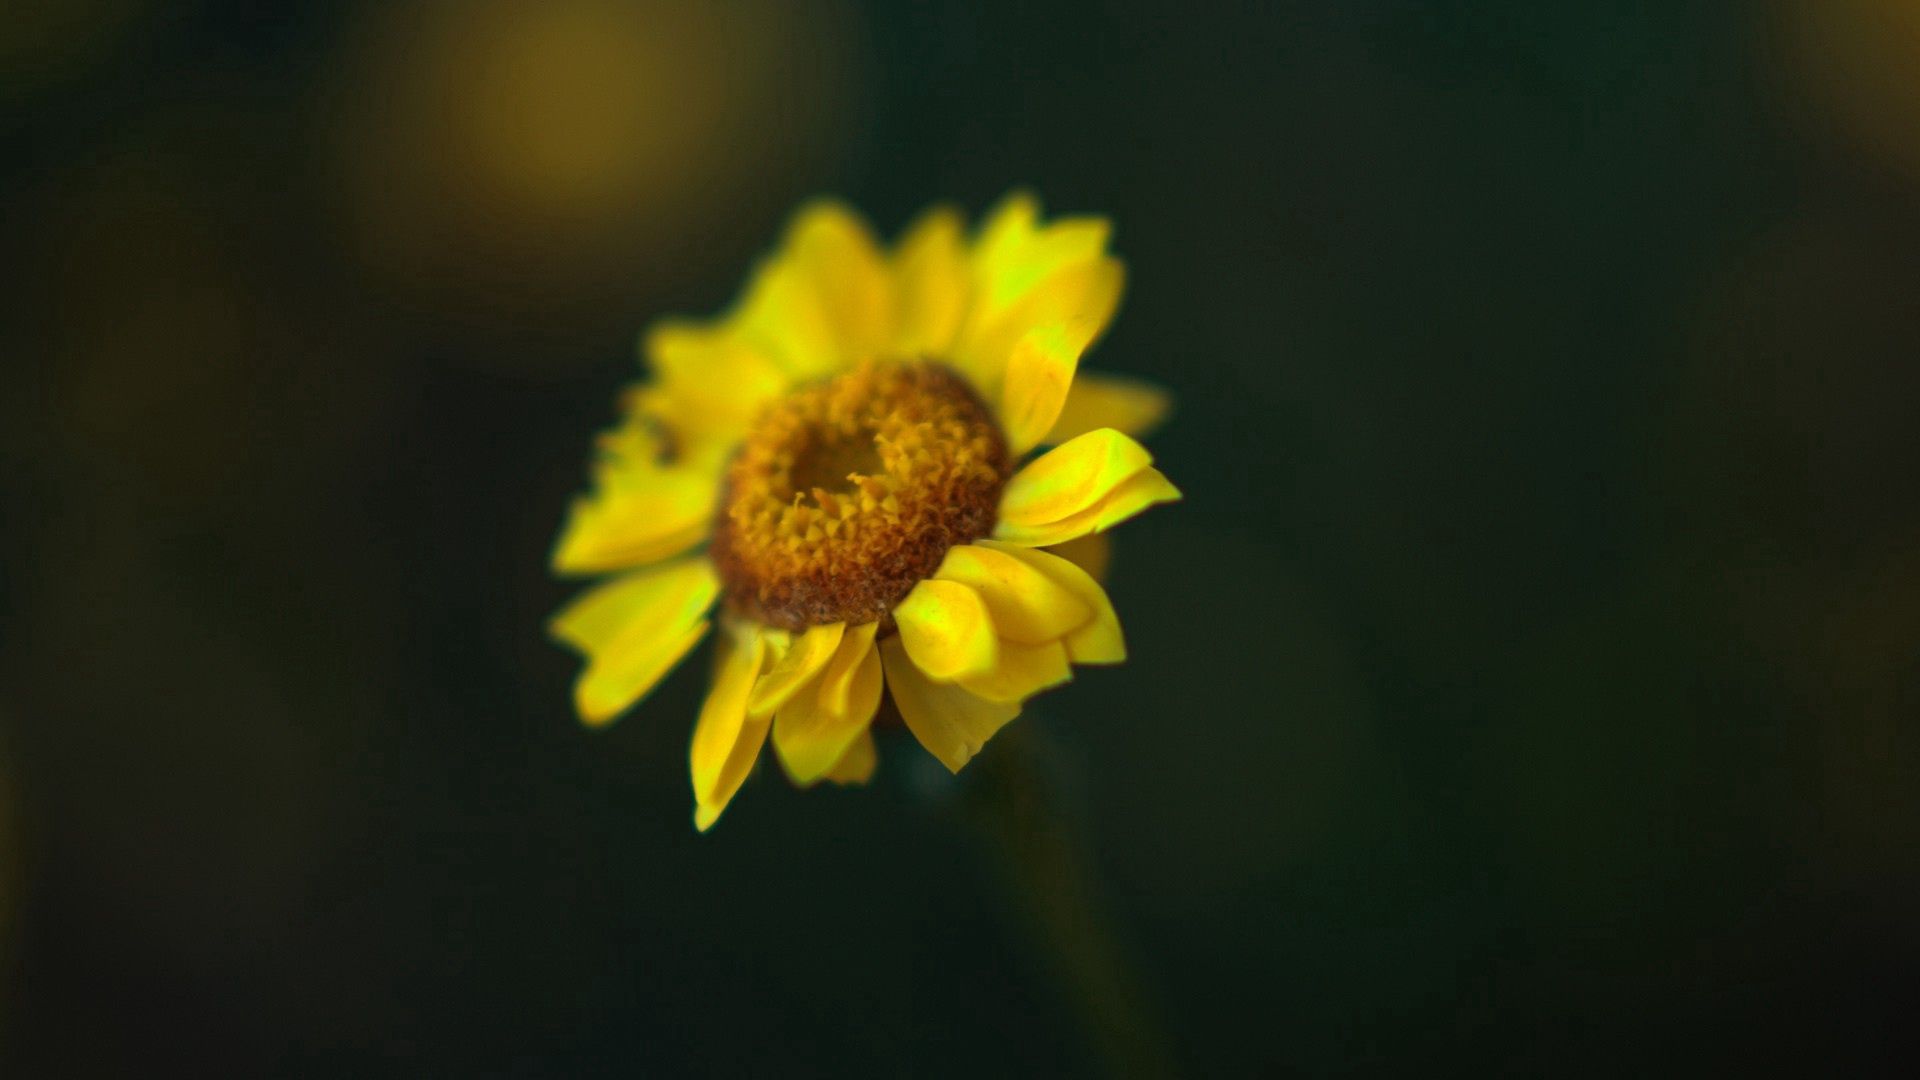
(831, 472)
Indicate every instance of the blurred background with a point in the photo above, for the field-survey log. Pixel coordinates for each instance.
(1528, 683)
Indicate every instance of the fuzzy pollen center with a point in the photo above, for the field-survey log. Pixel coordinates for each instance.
(848, 492)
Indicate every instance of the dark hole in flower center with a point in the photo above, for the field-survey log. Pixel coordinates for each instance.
(828, 462)
(798, 544)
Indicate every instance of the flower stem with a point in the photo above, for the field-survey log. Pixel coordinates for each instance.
(1021, 807)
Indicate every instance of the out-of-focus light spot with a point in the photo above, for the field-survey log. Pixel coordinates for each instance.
(48, 42)
(1853, 67)
(505, 156)
(1791, 442)
(1842, 638)
(1801, 383)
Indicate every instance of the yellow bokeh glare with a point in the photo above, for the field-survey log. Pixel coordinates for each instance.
(1787, 431)
(1853, 67)
(527, 149)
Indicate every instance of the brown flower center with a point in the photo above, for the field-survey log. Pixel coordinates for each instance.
(848, 492)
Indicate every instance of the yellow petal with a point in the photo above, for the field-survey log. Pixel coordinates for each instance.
(1036, 384)
(1071, 478)
(659, 598)
(1025, 605)
(811, 735)
(836, 682)
(726, 740)
(712, 379)
(1005, 230)
(602, 535)
(930, 284)
(1080, 298)
(1023, 671)
(1092, 553)
(945, 628)
(612, 684)
(1148, 487)
(1013, 270)
(640, 510)
(1015, 252)
(950, 722)
(857, 764)
(1136, 493)
(1099, 640)
(837, 248)
(632, 631)
(803, 660)
(1098, 400)
(829, 283)
(783, 315)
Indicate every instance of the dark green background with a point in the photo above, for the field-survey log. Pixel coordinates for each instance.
(1526, 685)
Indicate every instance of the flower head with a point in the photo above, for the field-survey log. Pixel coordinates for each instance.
(846, 444)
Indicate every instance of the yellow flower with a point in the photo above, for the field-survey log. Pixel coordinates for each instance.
(845, 445)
